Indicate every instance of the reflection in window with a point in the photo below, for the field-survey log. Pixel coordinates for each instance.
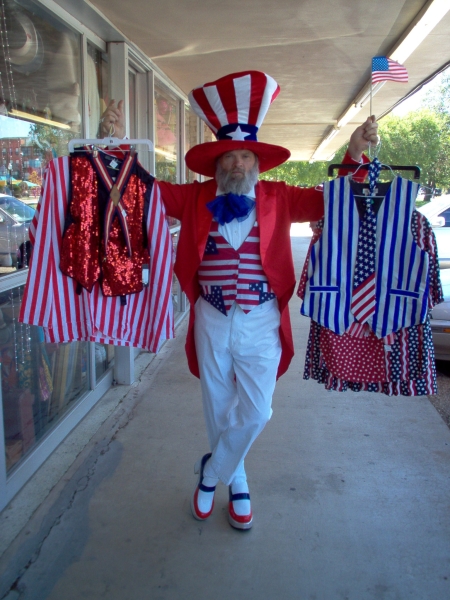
(15, 220)
(96, 77)
(208, 135)
(191, 137)
(40, 381)
(43, 83)
(166, 151)
(176, 289)
(104, 359)
(132, 102)
(40, 111)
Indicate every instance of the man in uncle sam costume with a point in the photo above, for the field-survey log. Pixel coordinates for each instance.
(234, 262)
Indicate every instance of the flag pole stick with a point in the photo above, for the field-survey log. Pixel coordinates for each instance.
(370, 113)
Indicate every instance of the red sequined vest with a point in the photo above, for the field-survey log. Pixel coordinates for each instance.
(105, 240)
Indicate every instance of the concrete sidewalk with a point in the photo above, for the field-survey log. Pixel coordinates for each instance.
(350, 493)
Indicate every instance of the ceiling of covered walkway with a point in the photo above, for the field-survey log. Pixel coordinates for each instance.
(319, 51)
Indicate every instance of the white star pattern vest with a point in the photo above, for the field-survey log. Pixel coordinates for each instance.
(227, 275)
(401, 267)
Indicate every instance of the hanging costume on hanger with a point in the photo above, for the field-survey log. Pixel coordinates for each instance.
(51, 299)
(105, 239)
(370, 325)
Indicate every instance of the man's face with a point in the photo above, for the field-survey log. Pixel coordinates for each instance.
(237, 171)
(237, 163)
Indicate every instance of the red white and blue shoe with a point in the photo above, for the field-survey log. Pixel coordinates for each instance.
(202, 501)
(235, 516)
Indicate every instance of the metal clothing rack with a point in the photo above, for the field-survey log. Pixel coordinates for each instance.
(110, 142)
(354, 167)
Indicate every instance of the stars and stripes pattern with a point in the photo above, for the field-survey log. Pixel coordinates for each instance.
(240, 98)
(264, 290)
(401, 267)
(386, 69)
(227, 275)
(406, 358)
(50, 299)
(409, 365)
(363, 297)
(213, 295)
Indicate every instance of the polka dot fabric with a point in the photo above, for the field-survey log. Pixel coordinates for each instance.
(403, 365)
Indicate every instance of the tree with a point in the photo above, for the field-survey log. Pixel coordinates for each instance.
(300, 173)
(421, 138)
(50, 141)
(437, 98)
(303, 173)
(34, 178)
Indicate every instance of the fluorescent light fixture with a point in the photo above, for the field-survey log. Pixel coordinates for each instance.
(427, 20)
(169, 155)
(29, 117)
(359, 103)
(351, 111)
(324, 143)
(365, 94)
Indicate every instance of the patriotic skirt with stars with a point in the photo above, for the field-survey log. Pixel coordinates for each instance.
(341, 362)
(402, 364)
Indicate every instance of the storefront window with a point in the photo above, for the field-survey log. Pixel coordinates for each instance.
(208, 135)
(40, 111)
(176, 289)
(166, 147)
(104, 359)
(132, 102)
(40, 381)
(96, 76)
(191, 137)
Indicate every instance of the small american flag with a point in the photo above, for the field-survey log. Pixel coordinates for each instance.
(384, 69)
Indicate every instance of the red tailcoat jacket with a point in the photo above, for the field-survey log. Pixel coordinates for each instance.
(277, 206)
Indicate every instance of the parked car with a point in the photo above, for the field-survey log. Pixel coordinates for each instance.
(442, 235)
(15, 219)
(440, 321)
(438, 213)
(446, 216)
(435, 209)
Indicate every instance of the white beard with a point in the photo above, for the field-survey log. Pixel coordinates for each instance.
(240, 186)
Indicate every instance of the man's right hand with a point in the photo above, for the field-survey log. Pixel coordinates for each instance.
(112, 122)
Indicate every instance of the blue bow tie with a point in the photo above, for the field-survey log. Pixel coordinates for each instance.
(231, 206)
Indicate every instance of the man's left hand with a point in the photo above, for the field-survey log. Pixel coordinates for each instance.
(363, 136)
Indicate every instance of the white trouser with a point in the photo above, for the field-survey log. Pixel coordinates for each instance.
(238, 357)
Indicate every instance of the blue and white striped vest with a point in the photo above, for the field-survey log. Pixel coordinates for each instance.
(401, 266)
(227, 275)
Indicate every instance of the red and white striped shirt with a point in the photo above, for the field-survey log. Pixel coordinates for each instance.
(50, 299)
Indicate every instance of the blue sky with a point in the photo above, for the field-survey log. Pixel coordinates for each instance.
(415, 102)
(13, 127)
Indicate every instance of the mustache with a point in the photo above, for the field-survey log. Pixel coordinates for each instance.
(237, 185)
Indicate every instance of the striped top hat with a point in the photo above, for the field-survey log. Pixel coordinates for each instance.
(234, 107)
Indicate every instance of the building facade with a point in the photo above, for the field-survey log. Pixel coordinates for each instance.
(60, 75)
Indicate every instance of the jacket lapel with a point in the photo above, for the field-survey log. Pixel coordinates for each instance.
(204, 216)
(266, 207)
